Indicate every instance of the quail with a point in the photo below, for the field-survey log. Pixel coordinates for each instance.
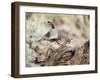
(60, 36)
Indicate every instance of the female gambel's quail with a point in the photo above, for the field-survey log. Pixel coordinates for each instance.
(60, 36)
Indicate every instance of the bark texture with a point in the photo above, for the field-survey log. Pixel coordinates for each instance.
(64, 55)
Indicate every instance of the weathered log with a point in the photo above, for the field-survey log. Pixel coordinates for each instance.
(65, 56)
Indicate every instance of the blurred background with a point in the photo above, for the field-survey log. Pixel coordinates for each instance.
(36, 27)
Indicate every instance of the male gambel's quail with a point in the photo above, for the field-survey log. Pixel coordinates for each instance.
(60, 36)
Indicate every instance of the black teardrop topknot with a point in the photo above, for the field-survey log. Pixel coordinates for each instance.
(51, 24)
